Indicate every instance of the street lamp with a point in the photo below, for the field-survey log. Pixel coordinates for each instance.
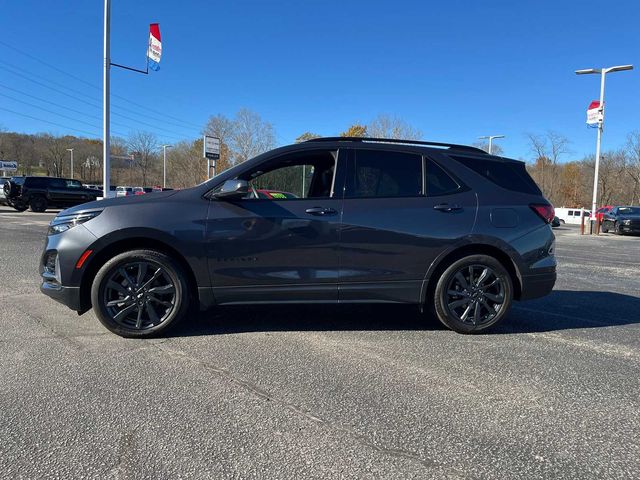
(164, 162)
(603, 72)
(490, 138)
(71, 150)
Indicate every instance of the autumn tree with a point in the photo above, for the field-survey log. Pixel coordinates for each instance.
(355, 130)
(307, 136)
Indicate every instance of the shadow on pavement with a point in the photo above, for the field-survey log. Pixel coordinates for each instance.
(561, 310)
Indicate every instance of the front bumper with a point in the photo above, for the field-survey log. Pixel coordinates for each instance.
(69, 296)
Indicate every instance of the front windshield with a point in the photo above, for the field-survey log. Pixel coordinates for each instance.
(629, 210)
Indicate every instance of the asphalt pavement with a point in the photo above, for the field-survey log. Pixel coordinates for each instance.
(326, 392)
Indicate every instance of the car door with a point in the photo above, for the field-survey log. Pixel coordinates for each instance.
(280, 244)
(395, 222)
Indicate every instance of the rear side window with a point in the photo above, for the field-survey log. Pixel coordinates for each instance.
(509, 175)
(57, 183)
(438, 181)
(384, 174)
(37, 182)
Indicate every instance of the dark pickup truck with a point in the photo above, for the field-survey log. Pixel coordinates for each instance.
(40, 193)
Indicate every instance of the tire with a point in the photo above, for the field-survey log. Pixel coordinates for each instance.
(478, 305)
(155, 306)
(19, 207)
(38, 204)
(604, 228)
(616, 229)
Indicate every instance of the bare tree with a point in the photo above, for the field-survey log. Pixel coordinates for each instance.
(251, 135)
(144, 147)
(548, 150)
(495, 149)
(633, 167)
(387, 126)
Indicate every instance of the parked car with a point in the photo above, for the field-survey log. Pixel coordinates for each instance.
(622, 220)
(40, 193)
(571, 215)
(445, 227)
(3, 198)
(122, 191)
(274, 194)
(601, 211)
(138, 190)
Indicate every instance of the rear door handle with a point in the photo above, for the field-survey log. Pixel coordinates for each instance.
(445, 207)
(320, 211)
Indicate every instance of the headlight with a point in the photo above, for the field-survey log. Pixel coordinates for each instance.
(626, 222)
(62, 223)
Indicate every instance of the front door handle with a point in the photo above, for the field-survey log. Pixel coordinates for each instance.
(320, 211)
(445, 207)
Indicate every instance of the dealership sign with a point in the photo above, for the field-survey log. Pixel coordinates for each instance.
(211, 147)
(8, 166)
(595, 113)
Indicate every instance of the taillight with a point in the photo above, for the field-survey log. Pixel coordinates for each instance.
(545, 211)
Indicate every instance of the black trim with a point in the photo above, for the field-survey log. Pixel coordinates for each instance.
(451, 146)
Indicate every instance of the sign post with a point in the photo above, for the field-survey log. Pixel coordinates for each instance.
(211, 151)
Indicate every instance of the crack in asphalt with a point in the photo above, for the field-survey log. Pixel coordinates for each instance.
(305, 413)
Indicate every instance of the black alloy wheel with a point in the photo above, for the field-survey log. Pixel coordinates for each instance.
(140, 293)
(38, 204)
(473, 294)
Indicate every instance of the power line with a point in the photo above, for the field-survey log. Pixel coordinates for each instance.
(50, 122)
(164, 114)
(27, 75)
(79, 112)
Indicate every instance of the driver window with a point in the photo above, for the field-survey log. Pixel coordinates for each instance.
(297, 176)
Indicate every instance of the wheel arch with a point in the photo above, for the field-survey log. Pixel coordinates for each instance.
(127, 244)
(447, 258)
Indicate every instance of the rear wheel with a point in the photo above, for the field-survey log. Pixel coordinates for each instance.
(38, 204)
(604, 228)
(473, 294)
(140, 293)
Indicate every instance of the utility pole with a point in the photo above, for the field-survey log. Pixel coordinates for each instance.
(71, 150)
(164, 165)
(106, 78)
(490, 138)
(603, 72)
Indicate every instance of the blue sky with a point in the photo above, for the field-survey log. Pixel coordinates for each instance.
(455, 69)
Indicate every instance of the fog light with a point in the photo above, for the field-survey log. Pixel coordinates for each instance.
(50, 263)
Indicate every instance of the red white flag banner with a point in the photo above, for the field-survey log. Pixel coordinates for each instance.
(155, 46)
(594, 113)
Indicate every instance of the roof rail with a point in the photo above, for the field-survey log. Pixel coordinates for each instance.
(452, 146)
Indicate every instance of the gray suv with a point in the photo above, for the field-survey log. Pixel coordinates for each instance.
(448, 228)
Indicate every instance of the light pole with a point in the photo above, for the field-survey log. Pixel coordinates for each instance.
(164, 163)
(603, 72)
(106, 80)
(490, 138)
(71, 150)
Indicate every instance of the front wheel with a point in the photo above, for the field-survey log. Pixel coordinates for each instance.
(140, 293)
(616, 229)
(473, 294)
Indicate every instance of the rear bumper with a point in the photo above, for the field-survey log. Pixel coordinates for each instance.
(537, 285)
(69, 296)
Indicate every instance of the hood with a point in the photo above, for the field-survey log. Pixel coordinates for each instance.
(120, 201)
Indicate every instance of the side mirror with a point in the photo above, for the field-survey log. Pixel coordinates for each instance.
(232, 189)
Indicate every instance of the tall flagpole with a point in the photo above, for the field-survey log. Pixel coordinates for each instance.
(106, 160)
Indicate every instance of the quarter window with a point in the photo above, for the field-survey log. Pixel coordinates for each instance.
(438, 181)
(385, 174)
